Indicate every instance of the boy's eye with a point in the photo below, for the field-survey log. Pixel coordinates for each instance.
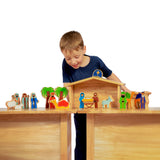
(68, 59)
(76, 56)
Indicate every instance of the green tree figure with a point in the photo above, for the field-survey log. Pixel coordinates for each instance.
(46, 94)
(61, 92)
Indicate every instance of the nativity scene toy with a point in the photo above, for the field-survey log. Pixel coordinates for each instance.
(55, 98)
(91, 92)
(14, 103)
(34, 101)
(97, 92)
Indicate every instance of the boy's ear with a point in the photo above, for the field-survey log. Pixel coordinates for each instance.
(84, 49)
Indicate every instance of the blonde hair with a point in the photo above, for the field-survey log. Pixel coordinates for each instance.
(71, 41)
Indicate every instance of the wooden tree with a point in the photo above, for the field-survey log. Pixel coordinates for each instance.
(61, 92)
(46, 94)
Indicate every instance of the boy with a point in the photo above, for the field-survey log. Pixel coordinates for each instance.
(77, 66)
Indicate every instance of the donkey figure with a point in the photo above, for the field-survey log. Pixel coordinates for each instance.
(107, 102)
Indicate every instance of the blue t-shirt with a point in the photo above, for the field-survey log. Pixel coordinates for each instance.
(71, 75)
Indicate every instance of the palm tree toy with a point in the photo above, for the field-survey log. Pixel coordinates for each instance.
(46, 94)
(61, 93)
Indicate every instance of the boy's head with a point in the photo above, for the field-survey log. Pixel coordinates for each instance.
(71, 41)
(73, 49)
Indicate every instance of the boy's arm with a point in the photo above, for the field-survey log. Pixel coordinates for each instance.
(115, 78)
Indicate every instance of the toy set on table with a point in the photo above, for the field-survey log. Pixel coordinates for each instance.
(48, 93)
(23, 103)
(94, 92)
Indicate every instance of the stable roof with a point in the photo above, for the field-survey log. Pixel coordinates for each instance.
(94, 79)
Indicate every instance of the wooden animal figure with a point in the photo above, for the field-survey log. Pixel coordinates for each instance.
(62, 93)
(25, 101)
(123, 101)
(128, 97)
(13, 104)
(133, 97)
(52, 101)
(146, 94)
(63, 104)
(81, 106)
(95, 100)
(107, 102)
(34, 101)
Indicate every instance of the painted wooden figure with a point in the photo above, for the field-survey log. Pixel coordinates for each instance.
(95, 100)
(46, 94)
(81, 106)
(34, 101)
(123, 101)
(107, 102)
(52, 101)
(16, 96)
(25, 101)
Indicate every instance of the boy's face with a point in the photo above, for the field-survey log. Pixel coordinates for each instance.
(74, 58)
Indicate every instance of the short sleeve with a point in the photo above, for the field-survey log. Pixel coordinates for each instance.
(106, 71)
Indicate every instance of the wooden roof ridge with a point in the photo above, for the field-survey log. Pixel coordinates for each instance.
(94, 78)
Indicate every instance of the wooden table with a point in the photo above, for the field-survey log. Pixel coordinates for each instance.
(127, 135)
(111, 134)
(35, 135)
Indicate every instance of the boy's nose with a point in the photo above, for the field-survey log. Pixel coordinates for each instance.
(74, 61)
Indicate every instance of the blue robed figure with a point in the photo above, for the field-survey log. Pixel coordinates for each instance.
(81, 106)
(34, 101)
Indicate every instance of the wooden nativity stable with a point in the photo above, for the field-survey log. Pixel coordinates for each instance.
(102, 87)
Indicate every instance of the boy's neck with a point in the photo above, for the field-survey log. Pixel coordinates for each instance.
(86, 60)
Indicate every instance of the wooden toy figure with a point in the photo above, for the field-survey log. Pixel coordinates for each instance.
(52, 101)
(25, 101)
(11, 104)
(138, 101)
(46, 94)
(128, 97)
(16, 96)
(133, 97)
(34, 101)
(61, 93)
(14, 103)
(123, 101)
(107, 102)
(146, 94)
(143, 101)
(81, 106)
(95, 99)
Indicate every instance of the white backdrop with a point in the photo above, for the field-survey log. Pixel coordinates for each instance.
(124, 33)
